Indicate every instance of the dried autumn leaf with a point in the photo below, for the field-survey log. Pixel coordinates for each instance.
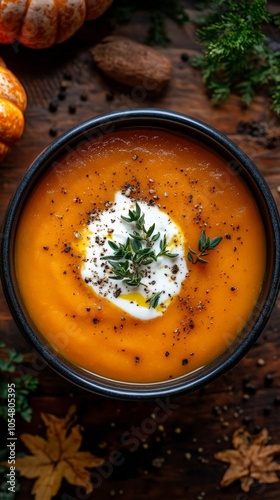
(57, 457)
(252, 459)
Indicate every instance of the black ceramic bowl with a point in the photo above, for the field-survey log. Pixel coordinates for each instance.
(239, 162)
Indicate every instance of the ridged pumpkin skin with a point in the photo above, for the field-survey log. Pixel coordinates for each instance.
(39, 24)
(12, 106)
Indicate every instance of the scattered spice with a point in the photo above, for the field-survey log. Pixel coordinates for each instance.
(67, 249)
(266, 411)
(250, 388)
(53, 105)
(61, 95)
(64, 85)
(184, 57)
(130, 259)
(251, 459)
(72, 109)
(268, 380)
(277, 400)
(109, 96)
(84, 96)
(253, 128)
(67, 75)
(131, 63)
(53, 131)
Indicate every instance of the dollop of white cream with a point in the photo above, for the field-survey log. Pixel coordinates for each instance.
(164, 275)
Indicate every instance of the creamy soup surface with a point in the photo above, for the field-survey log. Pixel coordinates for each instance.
(182, 314)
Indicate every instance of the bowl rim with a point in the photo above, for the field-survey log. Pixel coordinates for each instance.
(153, 117)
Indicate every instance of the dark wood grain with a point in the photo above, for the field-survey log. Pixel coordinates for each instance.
(173, 458)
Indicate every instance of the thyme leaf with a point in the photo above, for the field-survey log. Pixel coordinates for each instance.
(204, 245)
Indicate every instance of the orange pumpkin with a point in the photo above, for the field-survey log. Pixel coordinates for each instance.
(38, 24)
(12, 106)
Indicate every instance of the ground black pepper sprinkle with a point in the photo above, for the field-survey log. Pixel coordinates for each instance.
(216, 411)
(136, 359)
(95, 321)
(45, 247)
(184, 361)
(167, 353)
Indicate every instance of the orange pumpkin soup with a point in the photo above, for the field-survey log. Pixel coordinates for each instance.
(77, 209)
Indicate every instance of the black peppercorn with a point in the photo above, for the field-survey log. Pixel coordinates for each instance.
(63, 85)
(61, 95)
(250, 388)
(53, 131)
(109, 96)
(72, 109)
(67, 75)
(247, 420)
(266, 410)
(277, 400)
(53, 105)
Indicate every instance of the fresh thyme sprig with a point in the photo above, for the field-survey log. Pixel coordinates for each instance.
(130, 259)
(204, 245)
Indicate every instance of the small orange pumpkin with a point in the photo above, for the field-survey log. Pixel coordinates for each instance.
(12, 106)
(38, 24)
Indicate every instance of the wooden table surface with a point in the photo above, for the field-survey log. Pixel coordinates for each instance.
(176, 460)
